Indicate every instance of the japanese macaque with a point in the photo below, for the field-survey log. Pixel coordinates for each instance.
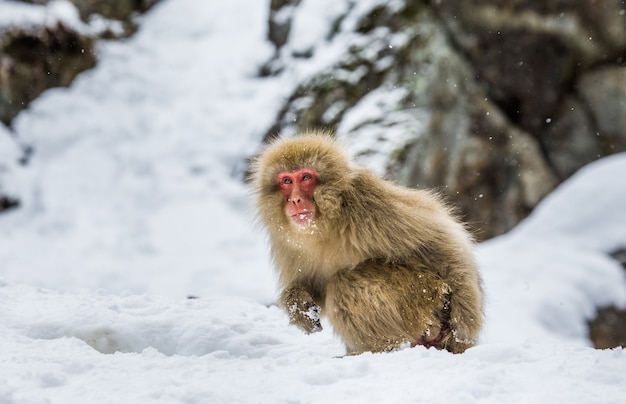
(390, 267)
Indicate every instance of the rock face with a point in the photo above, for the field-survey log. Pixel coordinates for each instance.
(35, 59)
(608, 329)
(493, 102)
(555, 68)
(38, 56)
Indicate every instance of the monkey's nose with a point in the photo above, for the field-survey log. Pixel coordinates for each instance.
(295, 198)
(296, 201)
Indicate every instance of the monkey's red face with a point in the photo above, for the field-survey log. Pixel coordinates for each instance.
(297, 187)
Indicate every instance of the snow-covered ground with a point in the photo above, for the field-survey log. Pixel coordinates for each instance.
(133, 200)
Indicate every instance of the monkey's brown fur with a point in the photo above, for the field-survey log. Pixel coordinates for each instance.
(389, 266)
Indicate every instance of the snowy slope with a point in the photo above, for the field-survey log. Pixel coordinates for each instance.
(133, 200)
(135, 182)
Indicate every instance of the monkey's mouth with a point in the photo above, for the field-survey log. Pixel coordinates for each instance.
(302, 219)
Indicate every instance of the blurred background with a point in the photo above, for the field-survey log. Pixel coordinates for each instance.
(497, 101)
(492, 102)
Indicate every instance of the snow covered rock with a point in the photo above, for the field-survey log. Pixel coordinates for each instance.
(48, 43)
(40, 47)
(478, 99)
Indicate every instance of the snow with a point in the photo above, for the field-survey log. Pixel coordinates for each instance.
(371, 133)
(15, 13)
(20, 14)
(133, 200)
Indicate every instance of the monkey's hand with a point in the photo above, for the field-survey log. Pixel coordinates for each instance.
(307, 317)
(302, 310)
(329, 202)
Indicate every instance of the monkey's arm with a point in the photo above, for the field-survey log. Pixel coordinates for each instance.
(302, 309)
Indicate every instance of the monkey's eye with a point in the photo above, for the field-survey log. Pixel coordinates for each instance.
(287, 181)
(307, 177)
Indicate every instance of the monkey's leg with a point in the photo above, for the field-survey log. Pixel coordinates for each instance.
(380, 306)
(302, 309)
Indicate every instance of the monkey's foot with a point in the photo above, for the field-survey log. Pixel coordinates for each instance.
(429, 343)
